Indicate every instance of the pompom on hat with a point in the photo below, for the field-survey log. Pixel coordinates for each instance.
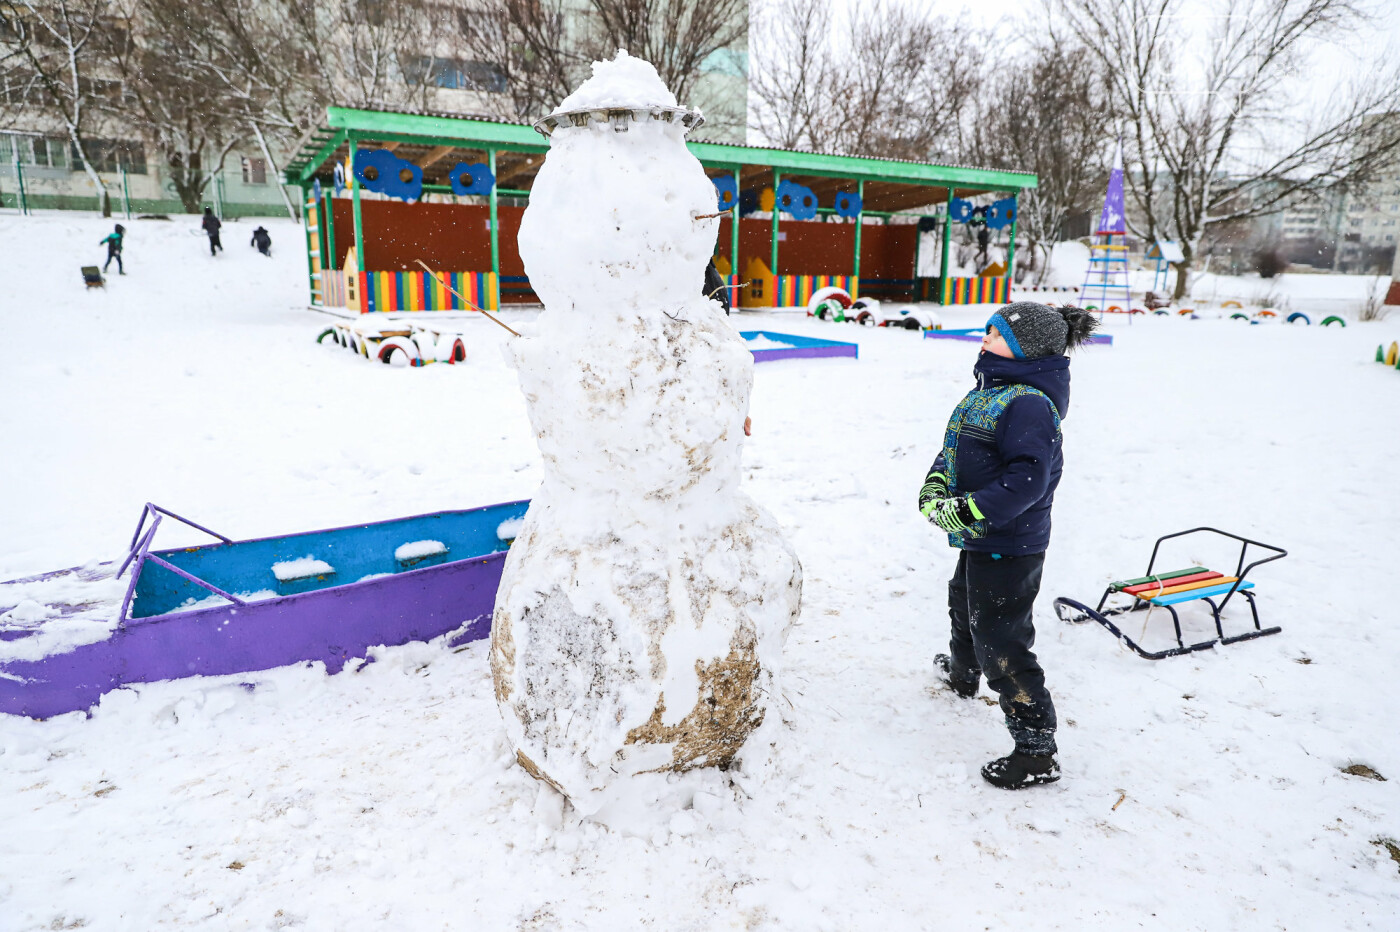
(1033, 330)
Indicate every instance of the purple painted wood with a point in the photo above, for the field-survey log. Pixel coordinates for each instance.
(332, 625)
(798, 347)
(329, 625)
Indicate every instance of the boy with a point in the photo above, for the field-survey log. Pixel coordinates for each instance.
(991, 489)
(113, 241)
(211, 225)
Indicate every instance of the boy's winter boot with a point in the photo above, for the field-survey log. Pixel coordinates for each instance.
(967, 688)
(1019, 770)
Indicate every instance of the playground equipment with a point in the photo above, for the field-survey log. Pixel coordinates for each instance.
(835, 304)
(1176, 587)
(402, 344)
(829, 303)
(767, 346)
(239, 606)
(1331, 319)
(1164, 253)
(1108, 254)
(377, 185)
(1391, 357)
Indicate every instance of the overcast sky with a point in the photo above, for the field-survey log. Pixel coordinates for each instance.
(1329, 67)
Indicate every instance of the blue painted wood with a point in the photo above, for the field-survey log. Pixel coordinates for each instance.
(1191, 595)
(353, 552)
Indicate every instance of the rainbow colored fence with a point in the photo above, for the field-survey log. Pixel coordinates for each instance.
(984, 289)
(797, 290)
(370, 292)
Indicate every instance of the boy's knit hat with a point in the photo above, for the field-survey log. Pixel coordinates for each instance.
(1033, 330)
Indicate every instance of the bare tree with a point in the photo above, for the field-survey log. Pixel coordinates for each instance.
(896, 84)
(55, 50)
(1209, 140)
(1046, 115)
(542, 48)
(164, 54)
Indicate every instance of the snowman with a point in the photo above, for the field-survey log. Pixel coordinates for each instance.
(642, 612)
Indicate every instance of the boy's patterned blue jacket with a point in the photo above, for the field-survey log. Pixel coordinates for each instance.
(1003, 448)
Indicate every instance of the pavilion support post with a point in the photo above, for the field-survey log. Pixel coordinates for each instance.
(355, 203)
(308, 213)
(943, 290)
(773, 254)
(734, 231)
(860, 221)
(328, 258)
(495, 234)
(1011, 246)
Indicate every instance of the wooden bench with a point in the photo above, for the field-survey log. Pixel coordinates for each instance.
(1175, 587)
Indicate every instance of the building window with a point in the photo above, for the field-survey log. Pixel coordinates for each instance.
(112, 155)
(33, 150)
(255, 171)
(453, 74)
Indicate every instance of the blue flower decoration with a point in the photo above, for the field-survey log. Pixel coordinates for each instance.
(727, 191)
(382, 171)
(472, 179)
(848, 204)
(797, 200)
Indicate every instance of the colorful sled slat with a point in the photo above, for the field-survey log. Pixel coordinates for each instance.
(1157, 587)
(419, 291)
(984, 289)
(1216, 580)
(1193, 594)
(1173, 574)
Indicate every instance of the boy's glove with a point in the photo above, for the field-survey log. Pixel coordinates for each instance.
(935, 488)
(955, 514)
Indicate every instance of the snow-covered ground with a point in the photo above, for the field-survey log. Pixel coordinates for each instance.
(1203, 792)
(1313, 294)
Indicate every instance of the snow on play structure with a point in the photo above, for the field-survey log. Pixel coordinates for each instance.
(642, 612)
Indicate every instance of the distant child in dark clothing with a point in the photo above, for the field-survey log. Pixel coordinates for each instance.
(991, 489)
(211, 226)
(263, 240)
(114, 248)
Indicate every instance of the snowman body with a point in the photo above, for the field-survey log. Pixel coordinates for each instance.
(643, 607)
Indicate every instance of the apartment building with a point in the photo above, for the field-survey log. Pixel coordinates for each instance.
(38, 161)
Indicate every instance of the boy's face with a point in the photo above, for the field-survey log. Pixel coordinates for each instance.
(993, 342)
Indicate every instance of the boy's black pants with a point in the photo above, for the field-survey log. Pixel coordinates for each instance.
(113, 254)
(989, 602)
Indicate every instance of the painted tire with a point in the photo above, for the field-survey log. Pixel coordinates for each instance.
(1333, 319)
(1137, 310)
(1091, 307)
(928, 320)
(1297, 316)
(459, 352)
(821, 295)
(1266, 313)
(910, 323)
(830, 309)
(394, 347)
(1184, 312)
(1239, 316)
(1225, 304)
(1114, 309)
(1161, 313)
(866, 319)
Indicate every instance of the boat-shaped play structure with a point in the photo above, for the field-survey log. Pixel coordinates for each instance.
(70, 636)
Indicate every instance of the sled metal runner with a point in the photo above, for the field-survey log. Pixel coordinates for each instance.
(240, 606)
(1167, 589)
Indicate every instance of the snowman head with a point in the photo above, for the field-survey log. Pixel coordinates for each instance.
(612, 215)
